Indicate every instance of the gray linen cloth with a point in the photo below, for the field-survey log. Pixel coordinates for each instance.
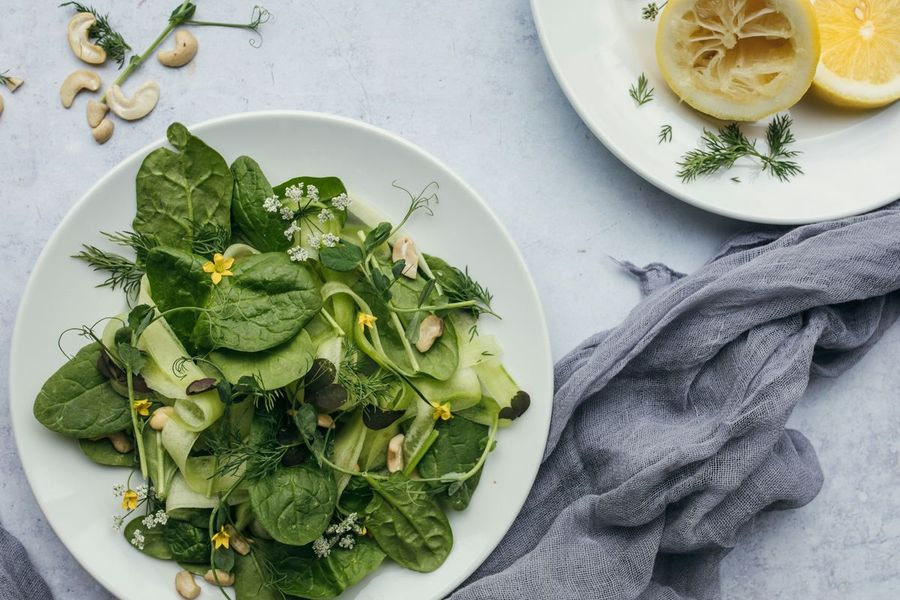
(668, 435)
(18, 579)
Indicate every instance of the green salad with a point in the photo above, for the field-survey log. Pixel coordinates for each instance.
(297, 392)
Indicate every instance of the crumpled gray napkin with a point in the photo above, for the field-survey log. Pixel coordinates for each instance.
(668, 436)
(18, 579)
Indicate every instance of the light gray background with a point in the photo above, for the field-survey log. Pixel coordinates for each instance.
(467, 81)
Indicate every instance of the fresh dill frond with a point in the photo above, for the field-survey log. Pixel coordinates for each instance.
(460, 287)
(651, 11)
(123, 273)
(378, 388)
(257, 459)
(209, 239)
(141, 243)
(3, 79)
(103, 34)
(665, 134)
(641, 92)
(721, 150)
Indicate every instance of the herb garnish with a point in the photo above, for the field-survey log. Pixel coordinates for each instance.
(665, 134)
(721, 150)
(103, 34)
(651, 11)
(123, 272)
(642, 93)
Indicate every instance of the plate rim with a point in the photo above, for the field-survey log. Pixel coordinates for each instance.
(666, 186)
(28, 291)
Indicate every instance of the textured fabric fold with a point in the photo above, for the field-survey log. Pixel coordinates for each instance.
(668, 432)
(18, 578)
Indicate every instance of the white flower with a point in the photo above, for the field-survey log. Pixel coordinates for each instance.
(294, 192)
(312, 192)
(321, 547)
(286, 213)
(347, 542)
(341, 201)
(325, 215)
(290, 231)
(298, 254)
(162, 517)
(149, 521)
(272, 204)
(118, 520)
(315, 240)
(118, 490)
(329, 240)
(142, 491)
(137, 539)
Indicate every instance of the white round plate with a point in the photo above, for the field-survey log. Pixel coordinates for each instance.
(76, 495)
(598, 49)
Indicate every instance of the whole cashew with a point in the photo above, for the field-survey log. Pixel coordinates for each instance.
(161, 417)
(405, 249)
(186, 586)
(430, 329)
(138, 106)
(81, 79)
(96, 111)
(395, 453)
(13, 83)
(184, 51)
(103, 131)
(79, 25)
(219, 577)
(121, 442)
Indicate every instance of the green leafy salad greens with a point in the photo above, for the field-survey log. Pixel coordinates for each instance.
(299, 393)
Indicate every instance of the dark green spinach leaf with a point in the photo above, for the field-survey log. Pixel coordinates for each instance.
(187, 543)
(457, 449)
(263, 230)
(252, 581)
(155, 544)
(294, 504)
(102, 452)
(322, 578)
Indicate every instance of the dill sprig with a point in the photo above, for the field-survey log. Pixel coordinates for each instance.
(258, 459)
(3, 79)
(642, 93)
(103, 34)
(721, 150)
(665, 134)
(209, 239)
(651, 11)
(123, 273)
(377, 388)
(460, 287)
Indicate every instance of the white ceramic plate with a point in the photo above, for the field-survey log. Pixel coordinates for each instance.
(76, 495)
(598, 48)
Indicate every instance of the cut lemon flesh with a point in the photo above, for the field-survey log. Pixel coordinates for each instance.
(738, 60)
(860, 64)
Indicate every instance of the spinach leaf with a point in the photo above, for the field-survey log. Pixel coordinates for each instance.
(356, 495)
(263, 230)
(294, 504)
(177, 280)
(251, 578)
(408, 524)
(322, 578)
(80, 402)
(181, 192)
(456, 450)
(102, 452)
(187, 543)
(275, 367)
(343, 257)
(155, 544)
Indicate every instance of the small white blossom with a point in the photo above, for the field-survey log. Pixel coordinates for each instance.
(298, 254)
(149, 521)
(314, 240)
(118, 520)
(321, 547)
(347, 542)
(325, 215)
(118, 489)
(162, 517)
(287, 213)
(137, 539)
(290, 231)
(312, 192)
(330, 240)
(272, 204)
(142, 491)
(341, 201)
(294, 192)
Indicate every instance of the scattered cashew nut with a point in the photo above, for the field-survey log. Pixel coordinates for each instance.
(186, 586)
(79, 25)
(395, 453)
(430, 329)
(404, 248)
(238, 542)
(96, 111)
(137, 106)
(103, 131)
(81, 79)
(219, 577)
(324, 420)
(160, 417)
(184, 51)
(121, 442)
(13, 83)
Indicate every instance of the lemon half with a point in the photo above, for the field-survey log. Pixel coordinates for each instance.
(738, 60)
(860, 63)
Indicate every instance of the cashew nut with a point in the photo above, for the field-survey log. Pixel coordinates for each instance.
(238, 542)
(79, 25)
(184, 51)
(139, 105)
(13, 83)
(121, 442)
(324, 420)
(96, 111)
(395, 453)
(404, 248)
(103, 131)
(160, 417)
(186, 586)
(81, 79)
(219, 577)
(430, 329)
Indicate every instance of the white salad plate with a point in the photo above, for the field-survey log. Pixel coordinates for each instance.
(76, 495)
(598, 49)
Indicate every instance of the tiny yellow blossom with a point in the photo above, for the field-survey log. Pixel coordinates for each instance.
(442, 411)
(222, 539)
(129, 500)
(366, 320)
(142, 407)
(218, 268)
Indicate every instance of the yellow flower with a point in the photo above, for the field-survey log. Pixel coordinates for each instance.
(142, 407)
(221, 539)
(129, 500)
(366, 320)
(218, 268)
(442, 411)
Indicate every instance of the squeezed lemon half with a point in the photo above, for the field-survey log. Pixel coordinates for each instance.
(860, 64)
(738, 60)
